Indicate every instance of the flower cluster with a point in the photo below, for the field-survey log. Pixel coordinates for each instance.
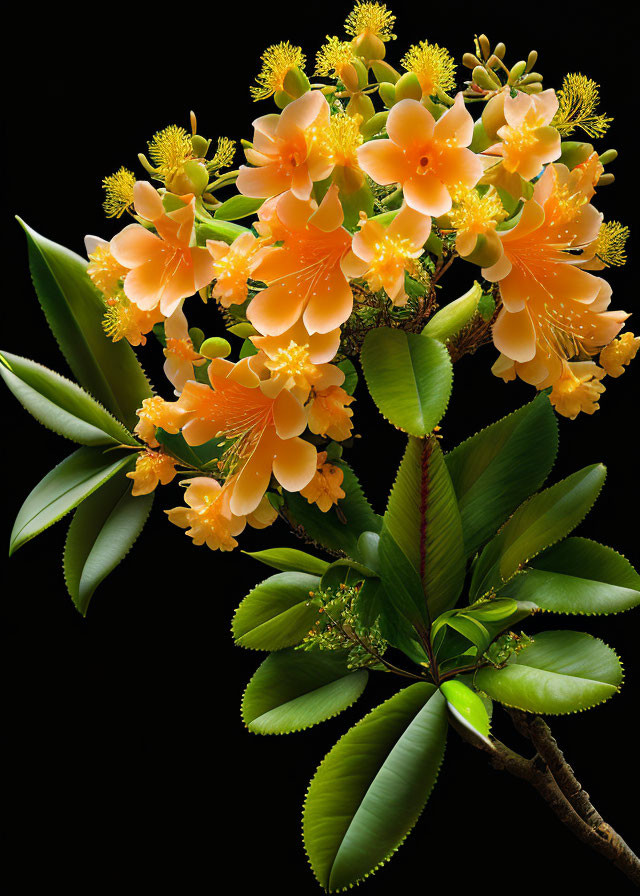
(353, 215)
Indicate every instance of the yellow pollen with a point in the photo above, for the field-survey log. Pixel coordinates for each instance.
(475, 212)
(610, 244)
(118, 189)
(341, 140)
(333, 57)
(433, 66)
(292, 361)
(372, 18)
(169, 149)
(105, 271)
(180, 348)
(224, 154)
(391, 254)
(119, 323)
(578, 100)
(277, 62)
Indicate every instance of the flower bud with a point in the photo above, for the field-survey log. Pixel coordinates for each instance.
(408, 87)
(362, 73)
(192, 177)
(296, 82)
(606, 179)
(485, 79)
(485, 46)
(469, 60)
(196, 335)
(374, 125)
(574, 152)
(517, 71)
(532, 58)
(534, 88)
(200, 145)
(243, 330)
(384, 72)
(610, 155)
(215, 347)
(499, 50)
(387, 93)
(480, 141)
(532, 78)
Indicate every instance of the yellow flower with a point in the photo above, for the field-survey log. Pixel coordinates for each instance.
(578, 100)
(277, 62)
(334, 57)
(610, 244)
(169, 149)
(619, 352)
(370, 18)
(433, 66)
(105, 272)
(329, 414)
(474, 214)
(152, 467)
(578, 389)
(118, 189)
(324, 489)
(207, 516)
(124, 320)
(156, 412)
(224, 154)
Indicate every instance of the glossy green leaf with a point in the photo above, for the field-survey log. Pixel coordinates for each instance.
(278, 613)
(294, 689)
(61, 405)
(495, 470)
(536, 525)
(290, 560)
(102, 532)
(370, 789)
(466, 706)
(193, 456)
(237, 207)
(448, 322)
(409, 378)
(560, 672)
(74, 310)
(350, 376)
(422, 518)
(402, 583)
(339, 528)
(578, 576)
(64, 488)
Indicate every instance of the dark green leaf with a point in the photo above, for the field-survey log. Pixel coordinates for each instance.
(278, 613)
(289, 559)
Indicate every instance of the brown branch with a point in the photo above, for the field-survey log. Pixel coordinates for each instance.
(572, 807)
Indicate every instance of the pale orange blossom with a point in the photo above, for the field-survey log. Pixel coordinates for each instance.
(325, 487)
(152, 467)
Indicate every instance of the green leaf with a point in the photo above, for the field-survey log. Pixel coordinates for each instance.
(237, 207)
(422, 518)
(448, 322)
(409, 378)
(213, 229)
(497, 469)
(295, 689)
(350, 376)
(278, 613)
(339, 528)
(290, 560)
(578, 576)
(102, 532)
(74, 310)
(61, 405)
(560, 672)
(193, 456)
(370, 789)
(537, 524)
(466, 706)
(345, 571)
(64, 488)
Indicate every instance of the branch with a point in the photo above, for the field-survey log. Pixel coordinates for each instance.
(572, 807)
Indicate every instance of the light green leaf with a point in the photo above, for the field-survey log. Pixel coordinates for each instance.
(61, 405)
(495, 470)
(290, 560)
(294, 689)
(409, 378)
(213, 229)
(74, 310)
(102, 532)
(64, 488)
(537, 524)
(578, 576)
(448, 322)
(370, 789)
(237, 207)
(560, 672)
(278, 613)
(466, 706)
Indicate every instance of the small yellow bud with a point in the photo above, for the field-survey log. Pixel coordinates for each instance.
(499, 50)
(485, 46)
(532, 58)
(215, 347)
(469, 60)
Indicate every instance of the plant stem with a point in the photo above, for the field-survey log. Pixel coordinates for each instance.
(554, 779)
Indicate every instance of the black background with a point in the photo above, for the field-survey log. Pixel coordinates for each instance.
(127, 752)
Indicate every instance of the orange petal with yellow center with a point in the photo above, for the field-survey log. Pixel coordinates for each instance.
(383, 161)
(456, 125)
(426, 194)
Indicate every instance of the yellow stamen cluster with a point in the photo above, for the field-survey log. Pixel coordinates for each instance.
(342, 139)
(564, 205)
(618, 353)
(333, 57)
(120, 322)
(475, 212)
(224, 154)
(578, 389)
(105, 272)
(611, 242)
(277, 61)
(371, 18)
(169, 149)
(433, 66)
(118, 189)
(578, 100)
(293, 362)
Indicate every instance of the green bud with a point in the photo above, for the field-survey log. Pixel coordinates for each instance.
(485, 46)
(384, 72)
(192, 177)
(532, 58)
(469, 60)
(362, 72)
(282, 99)
(499, 50)
(448, 322)
(610, 155)
(387, 93)
(534, 88)
(574, 152)
(532, 78)
(196, 336)
(215, 347)
(485, 79)
(374, 125)
(480, 140)
(200, 145)
(606, 179)
(408, 87)
(296, 82)
(243, 330)
(517, 71)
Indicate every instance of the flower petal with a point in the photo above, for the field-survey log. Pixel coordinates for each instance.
(514, 335)
(294, 463)
(427, 194)
(289, 416)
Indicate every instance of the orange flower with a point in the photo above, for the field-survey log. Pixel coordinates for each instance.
(264, 515)
(324, 489)
(304, 276)
(208, 518)
(179, 352)
(265, 431)
(475, 215)
(233, 266)
(103, 269)
(329, 414)
(284, 152)
(124, 320)
(618, 353)
(163, 269)
(382, 254)
(528, 140)
(156, 412)
(152, 467)
(552, 310)
(427, 158)
(577, 389)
